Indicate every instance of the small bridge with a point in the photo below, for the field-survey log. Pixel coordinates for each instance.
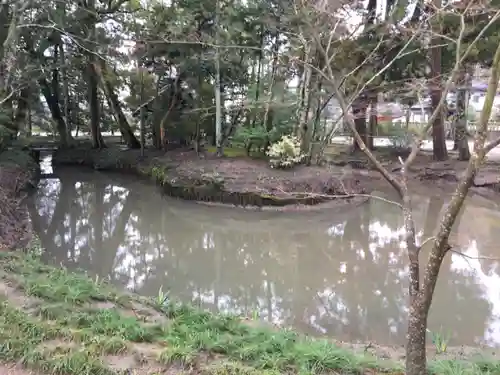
(37, 151)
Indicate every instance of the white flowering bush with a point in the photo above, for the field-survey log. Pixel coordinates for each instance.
(285, 153)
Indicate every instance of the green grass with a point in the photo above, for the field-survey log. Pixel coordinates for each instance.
(440, 340)
(59, 328)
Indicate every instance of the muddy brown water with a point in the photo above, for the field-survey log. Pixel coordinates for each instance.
(340, 275)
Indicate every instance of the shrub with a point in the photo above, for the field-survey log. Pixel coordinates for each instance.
(285, 153)
(245, 137)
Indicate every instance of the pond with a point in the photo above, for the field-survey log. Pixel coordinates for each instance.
(338, 274)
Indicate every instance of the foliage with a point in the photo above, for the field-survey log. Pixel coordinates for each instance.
(257, 136)
(286, 153)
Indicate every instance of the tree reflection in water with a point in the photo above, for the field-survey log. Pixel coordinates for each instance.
(343, 275)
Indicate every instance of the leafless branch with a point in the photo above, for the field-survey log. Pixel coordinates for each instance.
(471, 257)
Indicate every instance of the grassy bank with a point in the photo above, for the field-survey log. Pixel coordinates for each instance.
(55, 321)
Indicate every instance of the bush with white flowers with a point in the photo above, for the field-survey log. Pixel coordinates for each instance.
(285, 153)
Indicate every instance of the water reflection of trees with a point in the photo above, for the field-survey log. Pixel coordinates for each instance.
(343, 276)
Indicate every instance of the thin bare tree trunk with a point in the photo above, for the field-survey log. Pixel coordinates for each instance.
(305, 105)
(93, 100)
(438, 134)
(359, 110)
(64, 72)
(268, 124)
(461, 141)
(217, 88)
(373, 121)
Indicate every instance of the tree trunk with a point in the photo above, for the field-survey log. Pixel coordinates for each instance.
(303, 110)
(259, 70)
(359, 109)
(373, 122)
(460, 125)
(156, 118)
(301, 92)
(268, 117)
(143, 109)
(93, 100)
(22, 110)
(64, 72)
(109, 90)
(217, 88)
(62, 128)
(55, 111)
(90, 51)
(440, 152)
(29, 128)
(416, 359)
(61, 12)
(307, 129)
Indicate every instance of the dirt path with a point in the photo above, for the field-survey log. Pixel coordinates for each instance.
(14, 370)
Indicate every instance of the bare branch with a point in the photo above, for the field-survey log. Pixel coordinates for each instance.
(471, 257)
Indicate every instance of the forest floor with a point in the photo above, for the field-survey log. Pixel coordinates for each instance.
(56, 322)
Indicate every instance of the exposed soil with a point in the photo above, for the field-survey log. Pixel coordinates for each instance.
(425, 174)
(235, 180)
(15, 228)
(345, 179)
(397, 353)
(13, 369)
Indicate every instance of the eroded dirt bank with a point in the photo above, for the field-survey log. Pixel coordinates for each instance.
(347, 179)
(237, 181)
(17, 173)
(425, 173)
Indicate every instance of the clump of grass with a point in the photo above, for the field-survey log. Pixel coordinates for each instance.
(234, 368)
(53, 311)
(161, 299)
(107, 345)
(158, 173)
(53, 284)
(78, 362)
(182, 354)
(110, 323)
(449, 367)
(440, 340)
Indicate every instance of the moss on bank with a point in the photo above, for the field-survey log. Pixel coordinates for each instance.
(60, 322)
(236, 181)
